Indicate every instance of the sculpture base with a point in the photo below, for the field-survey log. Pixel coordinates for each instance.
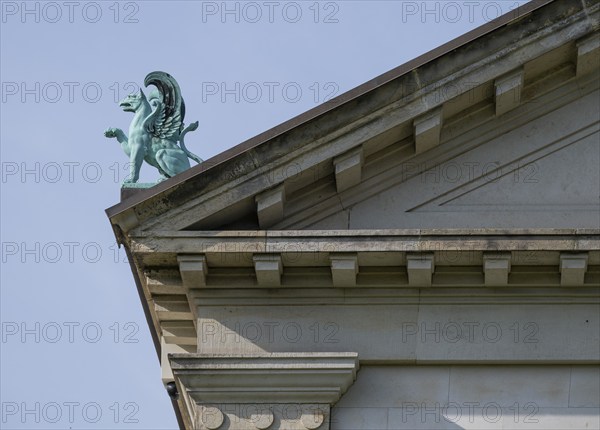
(128, 190)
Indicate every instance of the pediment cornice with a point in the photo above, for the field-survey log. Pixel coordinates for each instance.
(412, 109)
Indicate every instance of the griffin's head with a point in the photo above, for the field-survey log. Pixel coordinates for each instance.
(132, 102)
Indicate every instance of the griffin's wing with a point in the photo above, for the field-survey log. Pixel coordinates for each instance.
(168, 122)
(165, 127)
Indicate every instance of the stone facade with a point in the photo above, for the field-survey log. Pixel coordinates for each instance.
(424, 253)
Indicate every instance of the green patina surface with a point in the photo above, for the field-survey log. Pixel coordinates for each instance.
(138, 185)
(156, 133)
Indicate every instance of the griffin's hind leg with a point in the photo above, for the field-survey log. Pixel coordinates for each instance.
(163, 175)
(172, 161)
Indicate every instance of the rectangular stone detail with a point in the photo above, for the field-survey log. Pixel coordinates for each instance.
(269, 206)
(193, 270)
(172, 308)
(496, 267)
(348, 169)
(427, 130)
(268, 268)
(344, 268)
(179, 332)
(573, 268)
(588, 55)
(508, 91)
(420, 269)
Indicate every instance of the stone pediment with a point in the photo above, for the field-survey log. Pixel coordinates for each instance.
(516, 171)
(501, 137)
(445, 214)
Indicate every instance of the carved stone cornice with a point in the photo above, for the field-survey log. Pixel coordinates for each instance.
(267, 391)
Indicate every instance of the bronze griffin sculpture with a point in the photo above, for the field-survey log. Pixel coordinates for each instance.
(156, 132)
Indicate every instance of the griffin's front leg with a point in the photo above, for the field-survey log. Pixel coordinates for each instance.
(136, 159)
(116, 132)
(120, 136)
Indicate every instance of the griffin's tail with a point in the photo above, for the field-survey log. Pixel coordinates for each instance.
(193, 126)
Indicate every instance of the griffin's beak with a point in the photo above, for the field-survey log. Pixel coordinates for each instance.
(126, 106)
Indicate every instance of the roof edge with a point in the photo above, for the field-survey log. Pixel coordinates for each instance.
(324, 108)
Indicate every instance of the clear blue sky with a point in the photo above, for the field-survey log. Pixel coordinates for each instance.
(76, 351)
